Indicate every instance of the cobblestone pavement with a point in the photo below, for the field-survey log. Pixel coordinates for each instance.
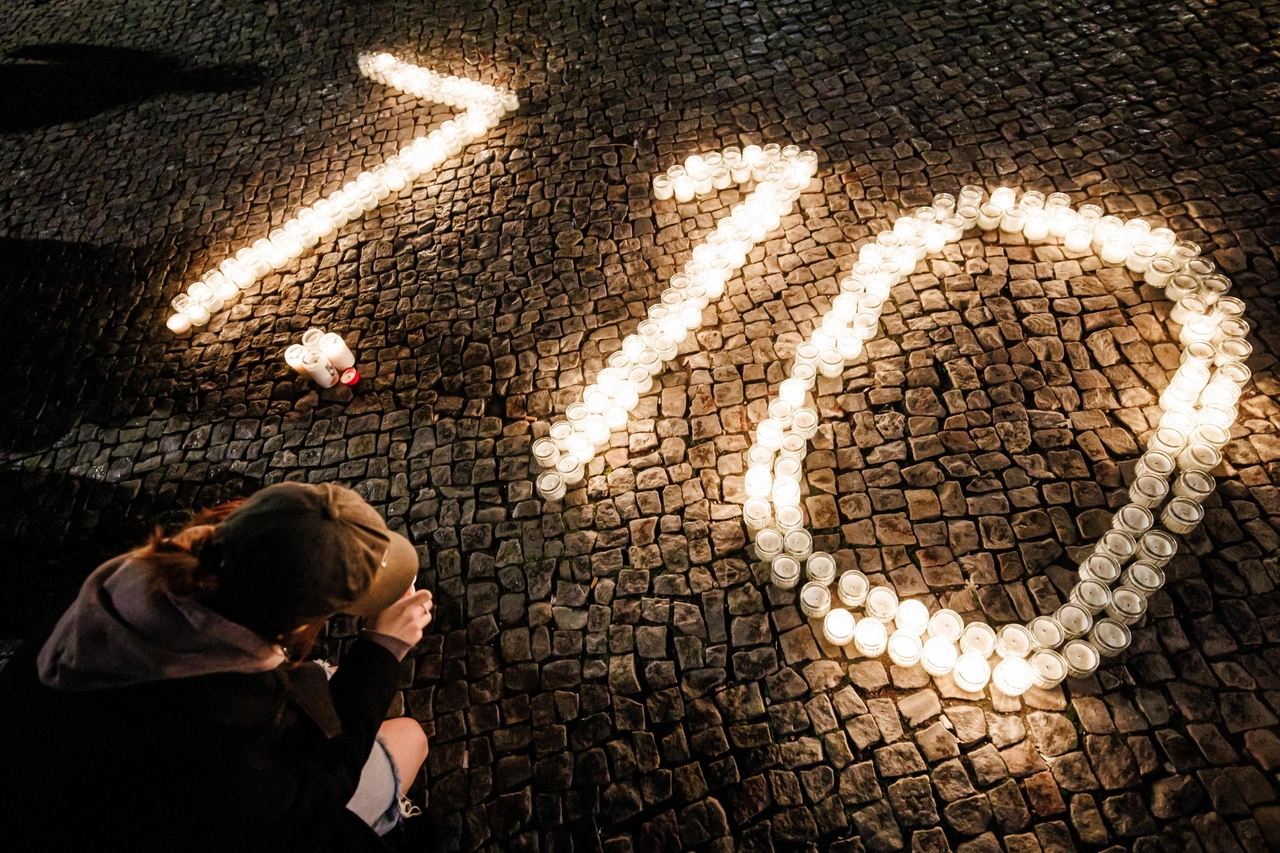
(614, 674)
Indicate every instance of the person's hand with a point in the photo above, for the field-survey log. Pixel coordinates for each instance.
(406, 619)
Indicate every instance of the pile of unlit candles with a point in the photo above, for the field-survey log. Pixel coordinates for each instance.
(779, 175)
(324, 358)
(1125, 567)
(483, 107)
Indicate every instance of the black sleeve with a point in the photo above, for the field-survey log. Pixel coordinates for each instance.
(362, 690)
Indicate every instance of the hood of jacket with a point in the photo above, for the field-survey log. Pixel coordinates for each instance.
(118, 633)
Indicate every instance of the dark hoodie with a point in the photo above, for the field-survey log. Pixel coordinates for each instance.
(152, 723)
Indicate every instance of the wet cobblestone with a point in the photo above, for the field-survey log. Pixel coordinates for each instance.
(615, 673)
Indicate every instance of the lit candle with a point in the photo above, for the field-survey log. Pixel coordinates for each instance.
(179, 324)
(912, 617)
(786, 493)
(1078, 240)
(1110, 637)
(1046, 632)
(1048, 669)
(550, 486)
(904, 648)
(785, 572)
(815, 599)
(546, 453)
(768, 544)
(853, 588)
(790, 518)
(756, 514)
(882, 603)
(805, 422)
(838, 627)
(870, 637)
(1014, 641)
(1081, 657)
(978, 638)
(581, 447)
(947, 625)
(570, 469)
(1013, 676)
(191, 309)
(971, 672)
(938, 656)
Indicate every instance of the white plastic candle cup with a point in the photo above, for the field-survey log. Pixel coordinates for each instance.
(768, 544)
(545, 453)
(1182, 515)
(319, 369)
(838, 627)
(758, 481)
(1099, 567)
(989, 216)
(904, 648)
(970, 194)
(560, 433)
(1141, 254)
(1014, 641)
(684, 188)
(1046, 632)
(1197, 456)
(1115, 250)
(831, 363)
(791, 391)
(179, 324)
(968, 214)
(793, 447)
(1133, 519)
(798, 544)
(815, 600)
(853, 588)
(786, 493)
(336, 350)
(237, 272)
(769, 434)
(662, 187)
(978, 638)
(947, 625)
(205, 295)
(805, 422)
(581, 447)
(640, 377)
(1092, 596)
(790, 518)
(1148, 490)
(571, 470)
(882, 603)
(1194, 485)
(1037, 225)
(1110, 637)
(1013, 676)
(870, 637)
(1082, 658)
(785, 572)
(781, 411)
(1156, 463)
(971, 672)
(821, 567)
(759, 456)
(1181, 285)
(1128, 605)
(1078, 240)
(1159, 272)
(597, 430)
(1003, 197)
(938, 656)
(756, 514)
(912, 617)
(1117, 545)
(1048, 668)
(550, 486)
(1061, 221)
(615, 416)
(1147, 578)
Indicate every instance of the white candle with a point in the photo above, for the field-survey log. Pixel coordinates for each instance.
(853, 588)
(1074, 619)
(570, 469)
(1013, 676)
(947, 625)
(550, 486)
(882, 603)
(815, 600)
(1013, 641)
(294, 356)
(1081, 657)
(938, 656)
(971, 672)
(912, 617)
(1049, 668)
(979, 639)
(1046, 632)
(336, 350)
(821, 567)
(319, 369)
(870, 637)
(545, 452)
(179, 324)
(785, 572)
(838, 627)
(904, 648)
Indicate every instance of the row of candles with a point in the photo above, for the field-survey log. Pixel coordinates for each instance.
(483, 107)
(606, 403)
(323, 357)
(701, 176)
(1126, 565)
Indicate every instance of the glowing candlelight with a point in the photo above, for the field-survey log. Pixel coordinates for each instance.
(972, 672)
(571, 470)
(870, 637)
(798, 544)
(904, 648)
(1013, 676)
(853, 588)
(938, 656)
(947, 625)
(978, 638)
(1127, 605)
(821, 567)
(1014, 641)
(912, 617)
(546, 453)
(838, 627)
(550, 486)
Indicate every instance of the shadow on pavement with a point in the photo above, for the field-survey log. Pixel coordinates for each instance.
(46, 84)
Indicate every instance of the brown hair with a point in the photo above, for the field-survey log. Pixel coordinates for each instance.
(185, 564)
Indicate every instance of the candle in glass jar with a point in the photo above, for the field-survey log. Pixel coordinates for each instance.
(1046, 632)
(1013, 676)
(1014, 641)
(550, 486)
(882, 603)
(1099, 567)
(545, 453)
(1127, 605)
(947, 625)
(768, 544)
(972, 672)
(870, 637)
(179, 324)
(821, 567)
(838, 627)
(798, 544)
(1049, 668)
(571, 470)
(938, 656)
(785, 572)
(1078, 240)
(853, 588)
(1110, 637)
(978, 638)
(815, 599)
(790, 518)
(1081, 657)
(904, 648)
(912, 617)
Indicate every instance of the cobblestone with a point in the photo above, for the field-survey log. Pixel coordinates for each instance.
(614, 672)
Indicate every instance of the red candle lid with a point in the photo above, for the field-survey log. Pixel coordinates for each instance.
(350, 376)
